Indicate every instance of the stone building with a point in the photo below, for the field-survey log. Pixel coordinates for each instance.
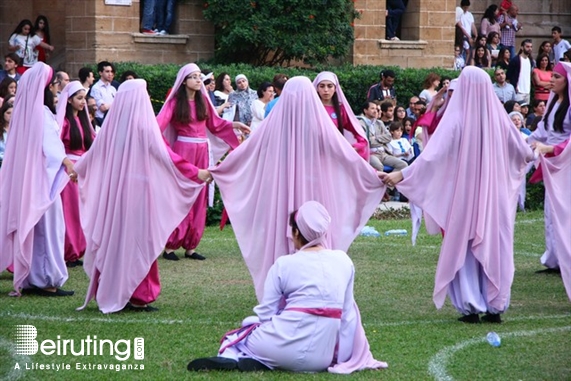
(88, 31)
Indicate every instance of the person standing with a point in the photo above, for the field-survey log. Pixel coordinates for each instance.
(519, 71)
(242, 98)
(164, 10)
(560, 45)
(554, 128)
(33, 175)
(190, 124)
(509, 26)
(77, 135)
(393, 13)
(384, 90)
(465, 21)
(23, 42)
(103, 91)
(42, 30)
(134, 191)
(467, 180)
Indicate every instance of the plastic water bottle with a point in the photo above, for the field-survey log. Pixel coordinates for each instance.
(369, 231)
(396, 232)
(494, 339)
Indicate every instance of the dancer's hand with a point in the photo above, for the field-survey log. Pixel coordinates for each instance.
(204, 175)
(541, 148)
(242, 127)
(393, 178)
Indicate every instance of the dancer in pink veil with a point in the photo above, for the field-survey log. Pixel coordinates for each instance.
(32, 177)
(307, 320)
(77, 135)
(299, 157)
(134, 191)
(555, 170)
(554, 128)
(196, 132)
(331, 95)
(467, 180)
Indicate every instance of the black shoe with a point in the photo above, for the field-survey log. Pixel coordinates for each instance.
(170, 256)
(470, 319)
(549, 271)
(132, 307)
(492, 318)
(74, 263)
(212, 363)
(251, 365)
(42, 292)
(195, 255)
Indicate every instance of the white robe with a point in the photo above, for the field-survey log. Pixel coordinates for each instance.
(298, 341)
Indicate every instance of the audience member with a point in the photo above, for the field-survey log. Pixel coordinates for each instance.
(86, 77)
(149, 17)
(410, 110)
(92, 109)
(517, 119)
(399, 146)
(465, 21)
(419, 108)
(8, 86)
(504, 90)
(509, 27)
(546, 48)
(11, 62)
(265, 95)
(128, 75)
(489, 23)
(494, 47)
(510, 106)
(387, 112)
(42, 30)
(62, 79)
(394, 11)
(504, 58)
(541, 76)
(400, 114)
(242, 98)
(538, 107)
(560, 45)
(278, 83)
(459, 61)
(102, 91)
(519, 71)
(480, 57)
(5, 116)
(164, 10)
(566, 56)
(384, 90)
(379, 137)
(430, 84)
(223, 86)
(23, 42)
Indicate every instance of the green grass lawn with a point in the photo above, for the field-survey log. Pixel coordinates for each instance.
(201, 300)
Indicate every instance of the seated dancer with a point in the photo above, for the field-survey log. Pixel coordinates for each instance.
(134, 191)
(467, 180)
(308, 320)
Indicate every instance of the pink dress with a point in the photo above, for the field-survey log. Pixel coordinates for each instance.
(542, 93)
(74, 247)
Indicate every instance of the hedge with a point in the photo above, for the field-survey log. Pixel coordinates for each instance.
(355, 81)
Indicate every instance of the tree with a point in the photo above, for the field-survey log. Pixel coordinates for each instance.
(272, 32)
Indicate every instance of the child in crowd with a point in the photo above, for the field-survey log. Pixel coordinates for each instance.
(399, 146)
(459, 61)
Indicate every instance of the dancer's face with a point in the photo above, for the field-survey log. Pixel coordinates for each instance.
(78, 101)
(558, 83)
(193, 81)
(326, 90)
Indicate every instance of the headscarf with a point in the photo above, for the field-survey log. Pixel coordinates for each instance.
(68, 91)
(29, 180)
(467, 180)
(313, 221)
(332, 77)
(131, 198)
(218, 146)
(298, 157)
(243, 99)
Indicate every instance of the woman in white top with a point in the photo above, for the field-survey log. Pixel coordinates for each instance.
(265, 95)
(23, 42)
(223, 86)
(431, 82)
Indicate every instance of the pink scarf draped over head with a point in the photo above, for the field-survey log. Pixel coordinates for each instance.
(332, 77)
(131, 198)
(27, 187)
(68, 91)
(217, 145)
(467, 180)
(299, 156)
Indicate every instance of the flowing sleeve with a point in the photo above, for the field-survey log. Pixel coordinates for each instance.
(273, 295)
(361, 145)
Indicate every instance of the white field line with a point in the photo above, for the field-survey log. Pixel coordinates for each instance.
(437, 364)
(14, 374)
(374, 323)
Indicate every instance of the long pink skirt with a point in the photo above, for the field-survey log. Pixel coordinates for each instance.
(149, 289)
(75, 244)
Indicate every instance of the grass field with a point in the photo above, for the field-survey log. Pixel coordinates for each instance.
(201, 300)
